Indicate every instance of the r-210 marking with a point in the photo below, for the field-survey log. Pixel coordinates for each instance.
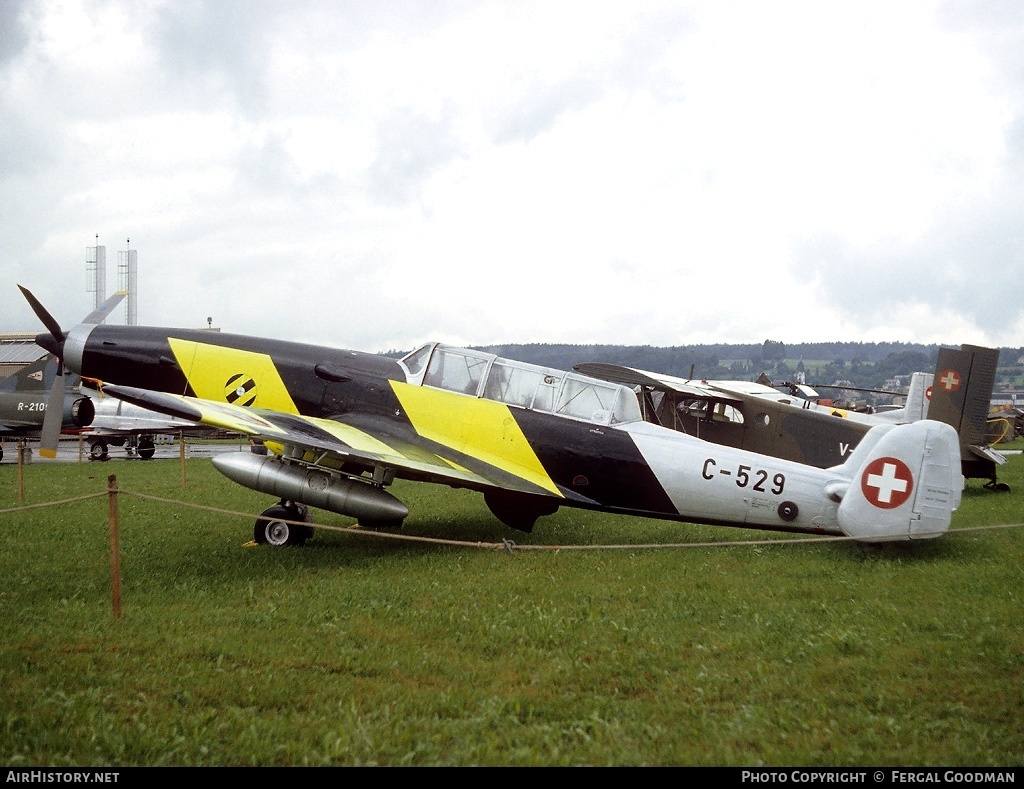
(743, 476)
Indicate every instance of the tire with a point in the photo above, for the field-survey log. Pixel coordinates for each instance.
(271, 528)
(98, 450)
(146, 448)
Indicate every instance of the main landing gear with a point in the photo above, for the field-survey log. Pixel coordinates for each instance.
(145, 448)
(272, 528)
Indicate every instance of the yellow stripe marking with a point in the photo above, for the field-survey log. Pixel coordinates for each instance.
(483, 429)
(251, 422)
(208, 368)
(357, 439)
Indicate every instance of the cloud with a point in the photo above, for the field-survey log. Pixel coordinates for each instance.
(376, 175)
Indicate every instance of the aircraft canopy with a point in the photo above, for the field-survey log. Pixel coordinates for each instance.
(522, 385)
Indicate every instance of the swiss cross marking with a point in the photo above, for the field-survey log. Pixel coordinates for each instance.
(950, 380)
(887, 482)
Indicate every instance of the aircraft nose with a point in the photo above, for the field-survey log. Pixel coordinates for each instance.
(48, 342)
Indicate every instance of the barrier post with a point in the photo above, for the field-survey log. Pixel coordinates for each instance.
(115, 545)
(181, 451)
(21, 471)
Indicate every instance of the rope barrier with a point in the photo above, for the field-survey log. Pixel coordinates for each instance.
(506, 545)
(53, 503)
(112, 492)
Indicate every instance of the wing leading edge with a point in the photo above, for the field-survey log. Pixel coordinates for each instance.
(361, 442)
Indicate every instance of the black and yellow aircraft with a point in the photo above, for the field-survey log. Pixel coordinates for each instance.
(342, 425)
(793, 425)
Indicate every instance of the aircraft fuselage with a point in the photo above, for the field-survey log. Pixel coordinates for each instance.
(636, 468)
(557, 449)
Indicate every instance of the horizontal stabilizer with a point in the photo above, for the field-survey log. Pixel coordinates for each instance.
(987, 453)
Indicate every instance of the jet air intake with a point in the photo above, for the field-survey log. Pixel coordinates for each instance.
(313, 487)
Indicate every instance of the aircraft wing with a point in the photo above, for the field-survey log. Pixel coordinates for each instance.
(360, 441)
(17, 428)
(115, 417)
(664, 383)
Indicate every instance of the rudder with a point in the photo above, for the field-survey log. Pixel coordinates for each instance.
(905, 486)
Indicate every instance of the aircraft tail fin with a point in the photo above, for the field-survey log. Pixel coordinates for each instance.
(916, 406)
(961, 393)
(961, 396)
(903, 482)
(35, 377)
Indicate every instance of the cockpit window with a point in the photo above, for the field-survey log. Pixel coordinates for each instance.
(522, 385)
(457, 370)
(700, 408)
(596, 401)
(415, 362)
(728, 413)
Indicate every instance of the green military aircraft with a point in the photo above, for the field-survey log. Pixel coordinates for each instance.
(794, 423)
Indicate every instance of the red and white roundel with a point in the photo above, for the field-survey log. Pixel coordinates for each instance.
(928, 393)
(887, 482)
(950, 380)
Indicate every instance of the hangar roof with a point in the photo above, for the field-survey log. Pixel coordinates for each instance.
(19, 349)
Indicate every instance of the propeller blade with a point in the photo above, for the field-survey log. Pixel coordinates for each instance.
(44, 316)
(53, 417)
(100, 314)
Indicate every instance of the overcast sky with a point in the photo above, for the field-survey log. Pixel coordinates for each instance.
(377, 174)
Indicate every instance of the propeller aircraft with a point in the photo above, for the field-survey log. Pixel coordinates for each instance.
(794, 425)
(27, 395)
(342, 425)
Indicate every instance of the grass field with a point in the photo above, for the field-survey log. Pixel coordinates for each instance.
(357, 650)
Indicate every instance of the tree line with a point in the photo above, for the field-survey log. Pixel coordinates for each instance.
(861, 364)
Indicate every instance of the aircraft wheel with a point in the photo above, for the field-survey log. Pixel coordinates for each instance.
(146, 448)
(271, 528)
(98, 450)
